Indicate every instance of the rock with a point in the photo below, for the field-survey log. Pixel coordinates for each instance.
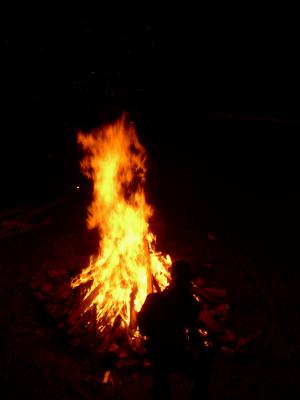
(57, 273)
(226, 350)
(123, 354)
(46, 287)
(113, 348)
(75, 342)
(34, 285)
(125, 363)
(211, 236)
(39, 296)
(64, 292)
(228, 337)
(136, 376)
(54, 310)
(147, 364)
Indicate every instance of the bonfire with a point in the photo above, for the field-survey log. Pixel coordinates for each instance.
(127, 266)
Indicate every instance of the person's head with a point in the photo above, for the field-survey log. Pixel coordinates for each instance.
(181, 274)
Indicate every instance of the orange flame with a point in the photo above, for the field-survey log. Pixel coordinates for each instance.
(122, 274)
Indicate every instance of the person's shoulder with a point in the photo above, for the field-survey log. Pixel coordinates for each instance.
(154, 296)
(157, 299)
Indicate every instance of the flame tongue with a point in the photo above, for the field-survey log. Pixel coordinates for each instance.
(121, 274)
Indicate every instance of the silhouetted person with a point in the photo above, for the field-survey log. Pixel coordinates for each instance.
(169, 319)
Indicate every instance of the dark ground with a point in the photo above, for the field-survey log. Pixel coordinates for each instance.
(217, 108)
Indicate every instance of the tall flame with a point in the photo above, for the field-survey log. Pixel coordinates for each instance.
(127, 267)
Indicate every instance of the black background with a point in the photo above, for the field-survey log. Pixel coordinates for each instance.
(214, 95)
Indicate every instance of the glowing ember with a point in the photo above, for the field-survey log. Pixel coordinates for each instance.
(127, 267)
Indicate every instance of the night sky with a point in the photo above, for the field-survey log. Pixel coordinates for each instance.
(214, 94)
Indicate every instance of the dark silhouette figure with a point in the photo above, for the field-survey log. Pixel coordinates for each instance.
(169, 319)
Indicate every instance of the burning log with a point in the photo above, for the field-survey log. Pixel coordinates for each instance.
(149, 273)
(133, 314)
(86, 303)
(107, 377)
(210, 294)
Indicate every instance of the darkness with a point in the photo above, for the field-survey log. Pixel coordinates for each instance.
(215, 99)
(216, 96)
